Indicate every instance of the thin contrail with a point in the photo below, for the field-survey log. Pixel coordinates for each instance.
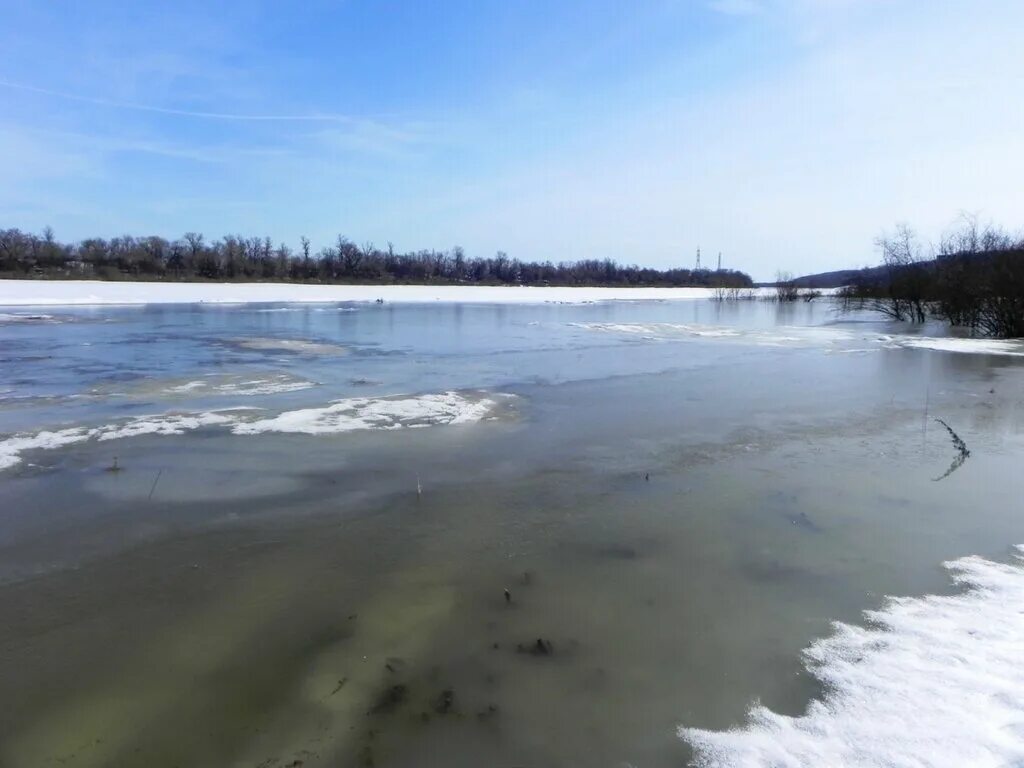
(179, 112)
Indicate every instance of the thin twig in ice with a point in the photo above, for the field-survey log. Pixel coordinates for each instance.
(157, 480)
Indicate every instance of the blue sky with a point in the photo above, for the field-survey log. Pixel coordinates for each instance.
(785, 133)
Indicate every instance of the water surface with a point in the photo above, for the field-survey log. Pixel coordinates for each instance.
(679, 497)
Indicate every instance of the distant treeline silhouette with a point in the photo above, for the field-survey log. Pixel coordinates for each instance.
(973, 279)
(232, 257)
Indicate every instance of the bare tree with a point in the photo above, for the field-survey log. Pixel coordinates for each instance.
(236, 257)
(195, 243)
(786, 288)
(908, 276)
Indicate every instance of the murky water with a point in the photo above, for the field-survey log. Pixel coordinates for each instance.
(678, 498)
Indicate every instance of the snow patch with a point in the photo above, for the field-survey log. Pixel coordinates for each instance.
(356, 413)
(684, 331)
(12, 448)
(170, 424)
(932, 681)
(834, 338)
(968, 346)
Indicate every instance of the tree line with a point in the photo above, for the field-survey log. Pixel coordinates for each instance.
(192, 257)
(973, 278)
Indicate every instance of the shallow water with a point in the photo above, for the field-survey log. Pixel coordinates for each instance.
(679, 498)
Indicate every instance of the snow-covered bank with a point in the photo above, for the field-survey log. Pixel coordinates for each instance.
(27, 293)
(933, 681)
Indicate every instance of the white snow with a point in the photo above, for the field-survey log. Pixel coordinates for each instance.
(378, 413)
(970, 346)
(933, 681)
(831, 337)
(169, 424)
(782, 335)
(358, 413)
(93, 292)
(664, 330)
(262, 386)
(12, 447)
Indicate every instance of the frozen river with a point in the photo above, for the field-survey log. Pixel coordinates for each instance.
(254, 534)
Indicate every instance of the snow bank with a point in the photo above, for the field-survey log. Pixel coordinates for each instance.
(92, 292)
(934, 681)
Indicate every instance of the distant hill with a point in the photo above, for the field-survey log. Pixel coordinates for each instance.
(839, 278)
